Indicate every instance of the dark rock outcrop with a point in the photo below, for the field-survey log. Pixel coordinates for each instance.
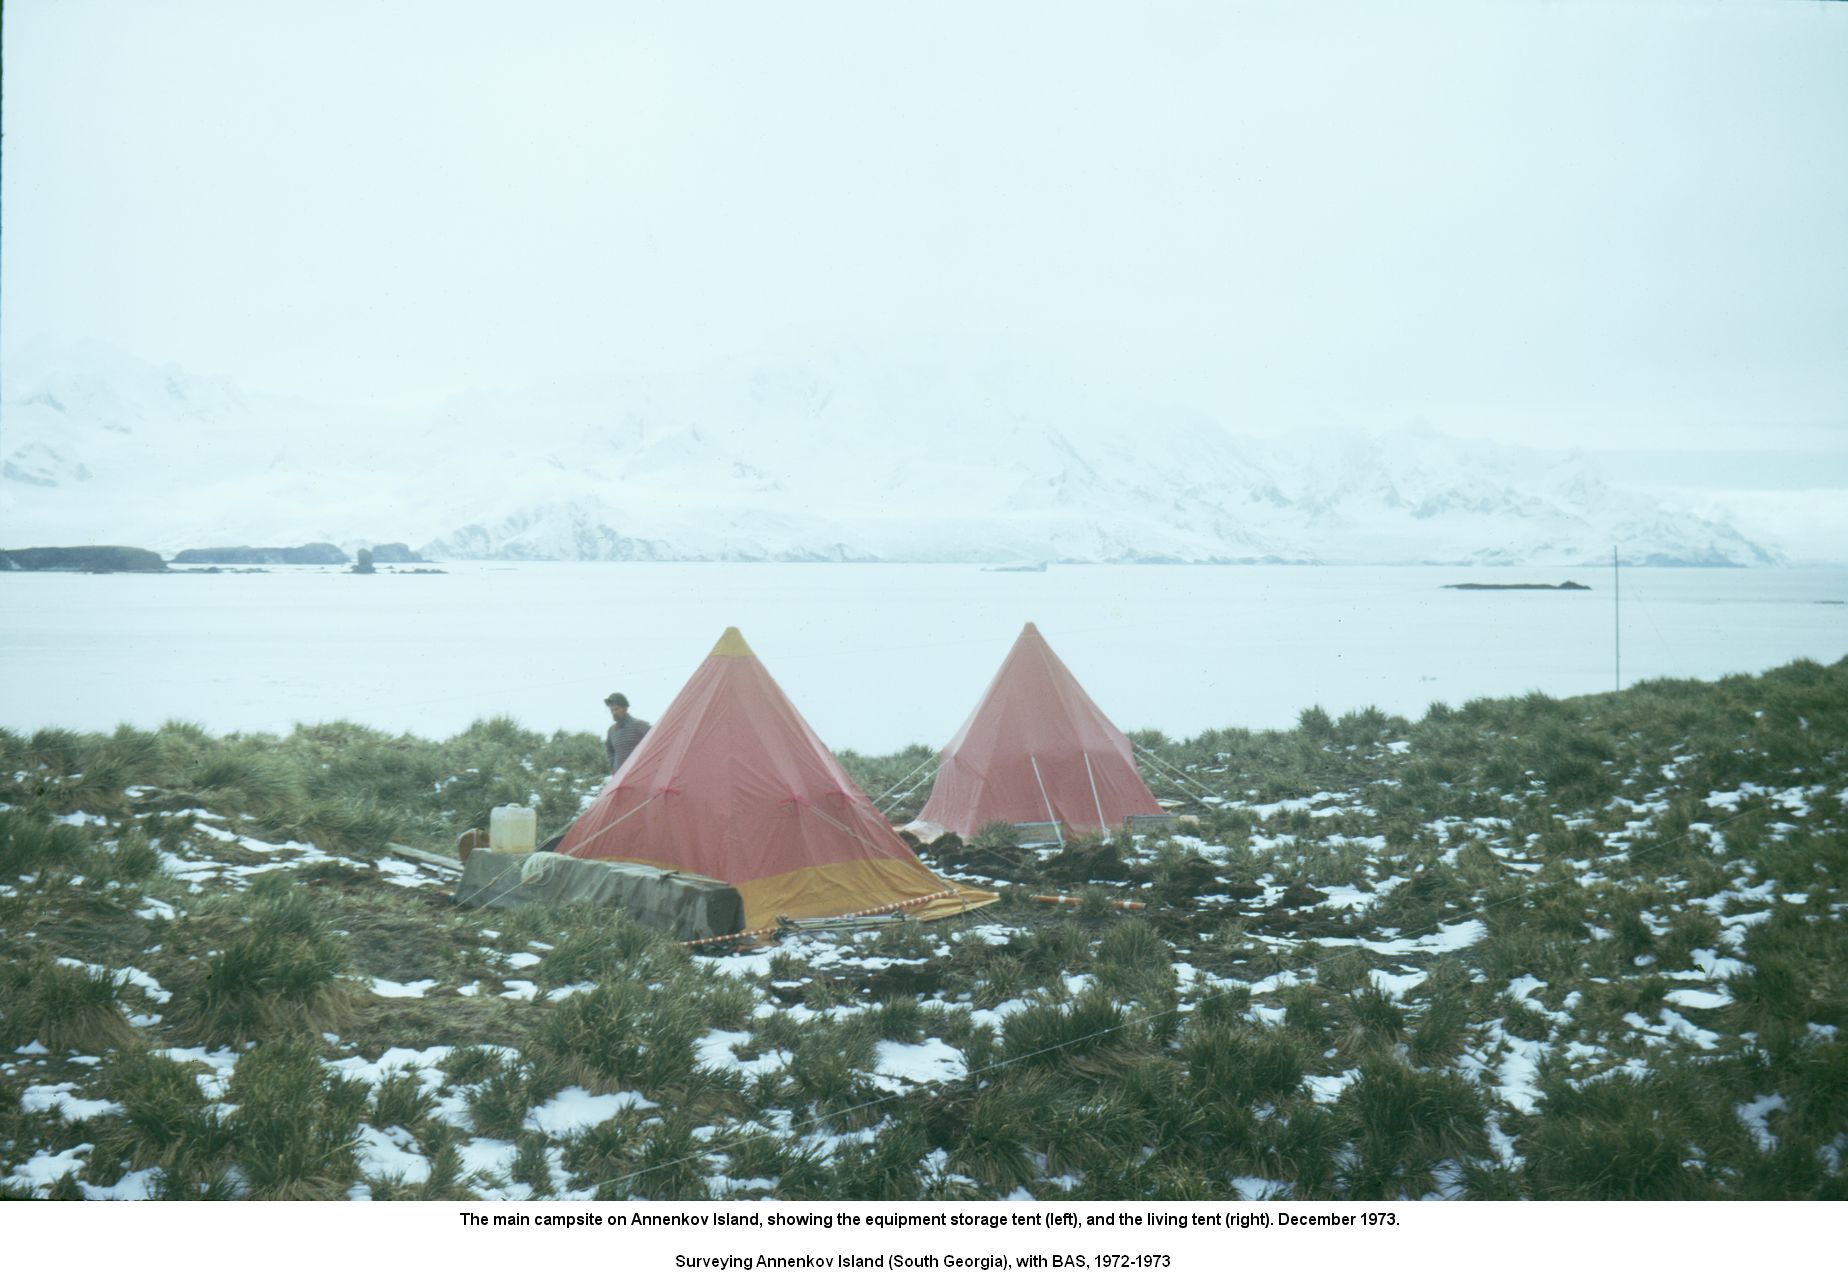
(305, 555)
(394, 555)
(94, 558)
(1568, 586)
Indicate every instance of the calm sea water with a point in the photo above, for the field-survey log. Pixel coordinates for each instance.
(875, 657)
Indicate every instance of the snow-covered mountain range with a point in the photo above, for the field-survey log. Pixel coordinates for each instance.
(839, 456)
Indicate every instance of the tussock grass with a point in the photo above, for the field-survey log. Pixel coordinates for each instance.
(1308, 1009)
(295, 1124)
(131, 860)
(794, 1169)
(167, 1122)
(345, 787)
(900, 1019)
(623, 1035)
(1798, 977)
(1404, 1122)
(998, 1132)
(1149, 984)
(827, 1073)
(469, 1064)
(498, 1104)
(1091, 1034)
(1242, 1064)
(29, 841)
(58, 751)
(251, 778)
(1439, 1033)
(995, 835)
(1002, 977)
(277, 969)
(1343, 971)
(399, 1100)
(890, 1169)
(831, 1090)
(1578, 833)
(63, 1008)
(1377, 1016)
(728, 1004)
(532, 1164)
(671, 1163)
(1304, 1147)
(346, 823)
(16, 1126)
(1614, 1139)
(600, 943)
(446, 1178)
(1094, 1134)
(600, 1156)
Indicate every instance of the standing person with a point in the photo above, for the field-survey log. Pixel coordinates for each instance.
(625, 731)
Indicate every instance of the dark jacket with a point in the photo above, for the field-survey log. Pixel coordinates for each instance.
(621, 739)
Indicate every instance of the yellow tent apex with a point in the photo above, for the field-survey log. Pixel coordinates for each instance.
(731, 645)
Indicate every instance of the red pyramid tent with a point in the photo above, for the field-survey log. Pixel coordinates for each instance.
(1037, 749)
(731, 782)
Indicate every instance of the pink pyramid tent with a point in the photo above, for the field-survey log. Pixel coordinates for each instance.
(1037, 749)
(732, 783)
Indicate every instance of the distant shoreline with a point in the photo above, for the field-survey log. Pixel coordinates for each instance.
(109, 559)
(115, 559)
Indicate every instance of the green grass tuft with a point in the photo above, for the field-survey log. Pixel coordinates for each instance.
(63, 1008)
(623, 1035)
(278, 970)
(295, 1125)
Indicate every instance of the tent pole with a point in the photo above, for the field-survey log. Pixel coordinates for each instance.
(1050, 815)
(1102, 826)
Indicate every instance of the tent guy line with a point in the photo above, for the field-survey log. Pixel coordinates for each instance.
(1183, 776)
(915, 770)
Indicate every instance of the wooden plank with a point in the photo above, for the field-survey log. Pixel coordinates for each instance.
(425, 856)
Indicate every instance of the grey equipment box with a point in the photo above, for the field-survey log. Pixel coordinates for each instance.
(687, 907)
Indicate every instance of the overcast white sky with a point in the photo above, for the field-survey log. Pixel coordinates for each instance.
(1602, 223)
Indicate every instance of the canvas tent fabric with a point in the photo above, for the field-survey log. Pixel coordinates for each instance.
(732, 783)
(1037, 749)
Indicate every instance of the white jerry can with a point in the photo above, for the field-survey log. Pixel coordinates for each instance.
(512, 828)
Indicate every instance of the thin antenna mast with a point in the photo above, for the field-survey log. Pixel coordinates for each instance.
(1616, 627)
